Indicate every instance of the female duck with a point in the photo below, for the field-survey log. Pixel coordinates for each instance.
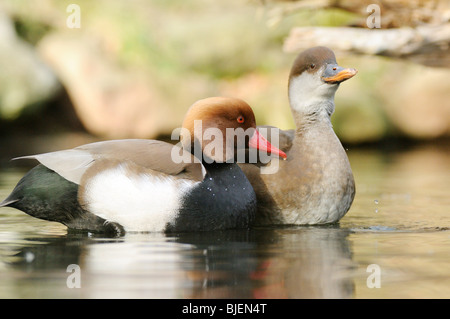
(315, 185)
(148, 185)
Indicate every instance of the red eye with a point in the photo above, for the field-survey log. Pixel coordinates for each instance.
(240, 119)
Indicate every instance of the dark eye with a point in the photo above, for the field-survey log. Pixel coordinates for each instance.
(312, 66)
(240, 119)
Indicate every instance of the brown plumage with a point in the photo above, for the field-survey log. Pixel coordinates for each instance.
(311, 60)
(315, 184)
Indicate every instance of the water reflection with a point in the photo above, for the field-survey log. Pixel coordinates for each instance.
(276, 263)
(310, 262)
(404, 190)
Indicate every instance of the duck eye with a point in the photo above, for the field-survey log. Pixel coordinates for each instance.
(335, 68)
(312, 66)
(240, 119)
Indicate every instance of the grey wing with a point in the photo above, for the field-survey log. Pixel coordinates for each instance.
(155, 155)
(70, 164)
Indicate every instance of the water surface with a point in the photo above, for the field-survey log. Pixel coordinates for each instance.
(399, 222)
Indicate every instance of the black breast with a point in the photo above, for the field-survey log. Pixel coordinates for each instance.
(225, 199)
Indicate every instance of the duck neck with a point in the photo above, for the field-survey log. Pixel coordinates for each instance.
(216, 169)
(310, 104)
(307, 121)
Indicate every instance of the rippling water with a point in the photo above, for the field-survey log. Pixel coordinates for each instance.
(396, 237)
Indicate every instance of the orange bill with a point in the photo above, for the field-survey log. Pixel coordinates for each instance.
(341, 76)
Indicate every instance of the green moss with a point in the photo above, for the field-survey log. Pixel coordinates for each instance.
(30, 30)
(360, 120)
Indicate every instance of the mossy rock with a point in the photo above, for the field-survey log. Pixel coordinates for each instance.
(359, 121)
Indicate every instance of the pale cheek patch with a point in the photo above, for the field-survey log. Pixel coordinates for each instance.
(309, 94)
(138, 202)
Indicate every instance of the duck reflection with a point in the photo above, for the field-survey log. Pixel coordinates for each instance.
(299, 262)
(288, 262)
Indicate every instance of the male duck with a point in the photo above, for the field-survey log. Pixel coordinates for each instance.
(148, 185)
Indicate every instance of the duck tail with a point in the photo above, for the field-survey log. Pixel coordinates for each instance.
(8, 202)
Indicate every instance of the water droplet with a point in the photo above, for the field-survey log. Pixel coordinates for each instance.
(29, 257)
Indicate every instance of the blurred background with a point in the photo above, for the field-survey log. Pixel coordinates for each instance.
(101, 70)
(130, 69)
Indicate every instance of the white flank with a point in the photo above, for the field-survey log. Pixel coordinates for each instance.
(141, 202)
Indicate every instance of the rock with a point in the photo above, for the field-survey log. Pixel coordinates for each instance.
(392, 98)
(24, 78)
(358, 122)
(417, 100)
(111, 101)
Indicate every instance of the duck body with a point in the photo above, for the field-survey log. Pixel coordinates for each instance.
(126, 197)
(315, 185)
(136, 185)
(318, 185)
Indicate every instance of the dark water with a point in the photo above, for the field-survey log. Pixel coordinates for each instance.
(395, 237)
